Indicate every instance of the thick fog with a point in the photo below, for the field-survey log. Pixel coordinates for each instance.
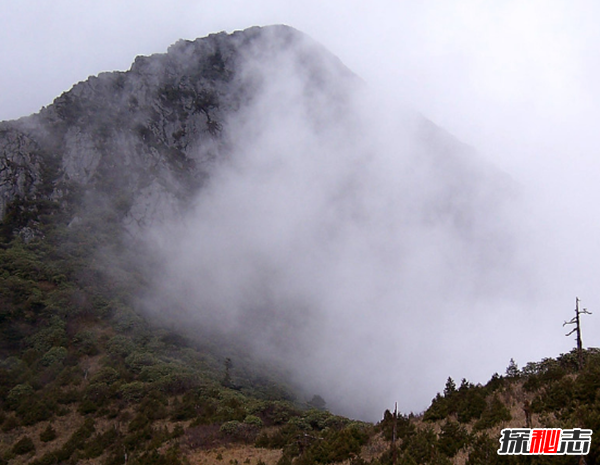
(347, 239)
(331, 226)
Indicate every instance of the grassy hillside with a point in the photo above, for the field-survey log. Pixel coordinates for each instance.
(463, 423)
(85, 378)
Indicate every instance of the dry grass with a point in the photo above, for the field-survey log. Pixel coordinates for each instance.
(236, 454)
(514, 397)
(375, 447)
(203, 445)
(64, 427)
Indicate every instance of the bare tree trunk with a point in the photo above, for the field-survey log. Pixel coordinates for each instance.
(577, 330)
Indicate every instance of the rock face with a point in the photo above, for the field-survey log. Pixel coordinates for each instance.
(269, 202)
(143, 140)
(20, 166)
(139, 144)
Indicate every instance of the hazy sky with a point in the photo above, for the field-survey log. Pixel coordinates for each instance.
(518, 80)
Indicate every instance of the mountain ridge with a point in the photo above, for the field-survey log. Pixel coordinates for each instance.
(173, 102)
(173, 236)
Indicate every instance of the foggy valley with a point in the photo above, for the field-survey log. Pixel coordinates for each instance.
(262, 217)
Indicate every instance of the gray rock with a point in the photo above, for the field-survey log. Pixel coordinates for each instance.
(20, 167)
(144, 140)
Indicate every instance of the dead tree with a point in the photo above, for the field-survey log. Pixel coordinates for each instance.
(575, 321)
(394, 433)
(527, 410)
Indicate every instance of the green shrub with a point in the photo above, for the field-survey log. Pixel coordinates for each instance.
(137, 361)
(337, 446)
(158, 371)
(484, 452)
(53, 335)
(438, 410)
(87, 406)
(105, 375)
(70, 375)
(253, 420)
(19, 394)
(121, 346)
(68, 396)
(452, 438)
(79, 438)
(139, 422)
(495, 413)
(421, 446)
(98, 392)
(133, 392)
(154, 407)
(230, 428)
(30, 356)
(317, 419)
(54, 355)
(101, 442)
(49, 434)
(471, 405)
(36, 410)
(86, 343)
(10, 423)
(23, 446)
(176, 383)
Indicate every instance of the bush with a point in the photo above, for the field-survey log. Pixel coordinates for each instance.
(452, 438)
(484, 452)
(99, 392)
(54, 356)
(86, 343)
(120, 346)
(101, 442)
(339, 445)
(137, 361)
(10, 424)
(438, 410)
(133, 392)
(230, 428)
(253, 420)
(19, 394)
(106, 375)
(53, 335)
(23, 446)
(49, 434)
(37, 410)
(495, 413)
(471, 405)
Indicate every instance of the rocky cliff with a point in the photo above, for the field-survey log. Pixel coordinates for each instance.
(272, 202)
(142, 141)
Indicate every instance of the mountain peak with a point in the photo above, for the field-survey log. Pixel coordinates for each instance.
(154, 131)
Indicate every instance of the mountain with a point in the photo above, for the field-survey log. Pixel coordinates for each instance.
(147, 138)
(258, 188)
(193, 251)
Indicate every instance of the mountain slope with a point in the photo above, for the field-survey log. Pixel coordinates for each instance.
(193, 248)
(145, 139)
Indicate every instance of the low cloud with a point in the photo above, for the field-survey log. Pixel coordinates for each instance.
(351, 241)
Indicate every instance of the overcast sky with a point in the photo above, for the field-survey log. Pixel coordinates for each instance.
(518, 80)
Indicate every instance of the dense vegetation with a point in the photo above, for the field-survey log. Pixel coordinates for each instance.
(85, 377)
(463, 424)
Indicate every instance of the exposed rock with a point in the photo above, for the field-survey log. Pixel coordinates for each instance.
(147, 138)
(20, 166)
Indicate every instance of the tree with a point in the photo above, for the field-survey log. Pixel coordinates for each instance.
(577, 329)
(227, 376)
(450, 387)
(512, 370)
(317, 402)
